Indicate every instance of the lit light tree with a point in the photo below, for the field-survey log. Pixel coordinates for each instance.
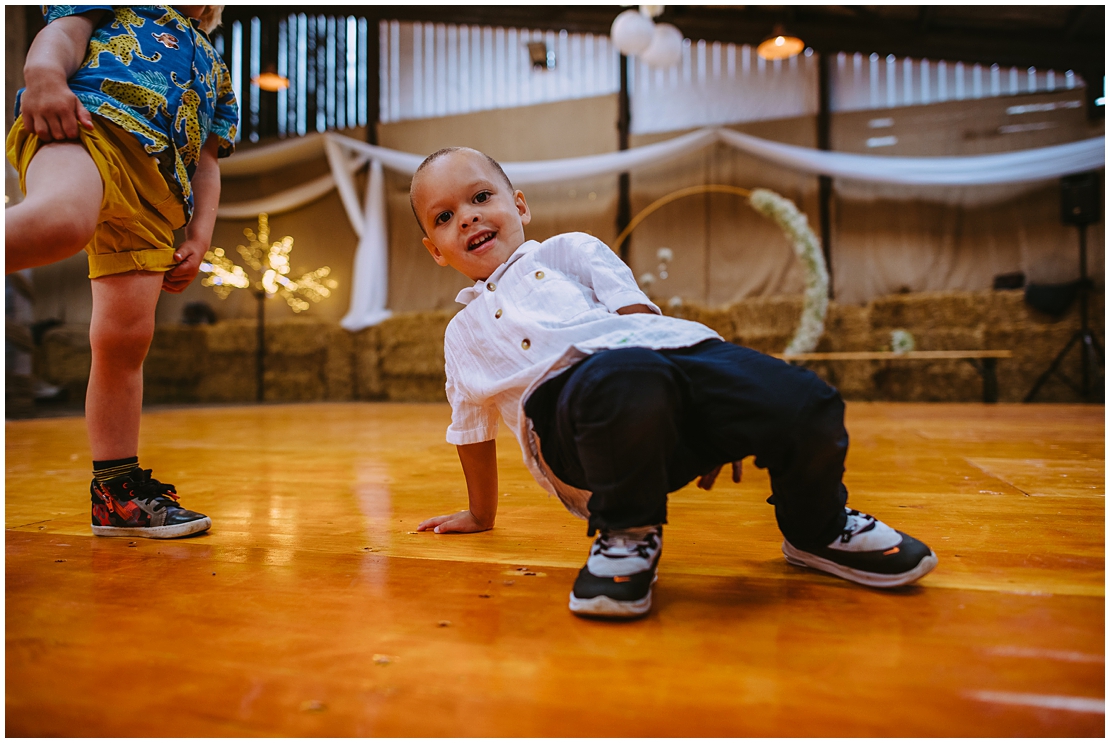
(269, 266)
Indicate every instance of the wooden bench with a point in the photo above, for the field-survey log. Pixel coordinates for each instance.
(983, 361)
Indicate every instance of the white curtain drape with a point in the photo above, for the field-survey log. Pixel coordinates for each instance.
(369, 290)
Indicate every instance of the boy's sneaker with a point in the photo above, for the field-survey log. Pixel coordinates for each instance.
(617, 578)
(868, 552)
(137, 505)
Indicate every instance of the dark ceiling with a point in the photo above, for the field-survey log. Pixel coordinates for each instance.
(1047, 36)
(1059, 37)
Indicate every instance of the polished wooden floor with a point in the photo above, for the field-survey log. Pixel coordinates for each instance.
(312, 608)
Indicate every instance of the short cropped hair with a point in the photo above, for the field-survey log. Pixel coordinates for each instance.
(447, 151)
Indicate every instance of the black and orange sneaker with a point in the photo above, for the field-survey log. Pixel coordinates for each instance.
(617, 578)
(137, 505)
(867, 552)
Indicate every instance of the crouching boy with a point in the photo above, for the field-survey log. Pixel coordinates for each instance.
(615, 405)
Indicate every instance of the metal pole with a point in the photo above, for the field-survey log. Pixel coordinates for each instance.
(624, 198)
(824, 142)
(1084, 347)
(260, 362)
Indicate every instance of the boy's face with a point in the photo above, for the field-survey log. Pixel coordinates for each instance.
(474, 221)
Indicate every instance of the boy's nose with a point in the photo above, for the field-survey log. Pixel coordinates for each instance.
(473, 220)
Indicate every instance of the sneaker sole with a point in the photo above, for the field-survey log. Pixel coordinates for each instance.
(154, 532)
(795, 556)
(603, 606)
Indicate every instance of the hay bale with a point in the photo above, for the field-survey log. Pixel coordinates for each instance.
(1004, 308)
(297, 336)
(760, 316)
(847, 328)
(415, 389)
(367, 362)
(769, 343)
(927, 381)
(928, 310)
(289, 381)
(412, 344)
(63, 359)
(717, 319)
(19, 396)
(339, 378)
(174, 364)
(1034, 349)
(228, 377)
(232, 336)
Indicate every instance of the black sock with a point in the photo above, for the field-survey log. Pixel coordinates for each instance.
(109, 468)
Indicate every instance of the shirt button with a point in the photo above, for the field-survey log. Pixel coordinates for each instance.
(497, 314)
(539, 274)
(525, 344)
(492, 287)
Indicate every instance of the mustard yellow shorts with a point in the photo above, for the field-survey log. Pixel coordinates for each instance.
(138, 213)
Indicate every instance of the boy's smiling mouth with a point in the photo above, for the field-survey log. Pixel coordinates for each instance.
(479, 240)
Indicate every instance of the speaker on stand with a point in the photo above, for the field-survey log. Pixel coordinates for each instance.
(1079, 205)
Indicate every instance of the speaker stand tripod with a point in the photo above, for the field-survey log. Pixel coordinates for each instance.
(1089, 348)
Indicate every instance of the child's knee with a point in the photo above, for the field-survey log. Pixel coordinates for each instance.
(821, 422)
(65, 229)
(123, 344)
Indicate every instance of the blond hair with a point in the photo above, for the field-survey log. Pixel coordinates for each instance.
(211, 17)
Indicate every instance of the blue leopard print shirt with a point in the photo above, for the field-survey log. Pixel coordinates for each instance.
(152, 71)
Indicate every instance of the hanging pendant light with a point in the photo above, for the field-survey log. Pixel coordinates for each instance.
(270, 80)
(780, 45)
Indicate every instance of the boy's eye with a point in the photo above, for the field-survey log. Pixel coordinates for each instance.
(442, 217)
(482, 197)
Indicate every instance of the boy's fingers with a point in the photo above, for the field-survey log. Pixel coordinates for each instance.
(429, 523)
(69, 126)
(57, 131)
(705, 482)
(84, 116)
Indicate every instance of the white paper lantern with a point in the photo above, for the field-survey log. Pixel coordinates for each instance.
(665, 48)
(632, 32)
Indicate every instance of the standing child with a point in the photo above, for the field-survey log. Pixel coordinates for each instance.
(615, 406)
(125, 112)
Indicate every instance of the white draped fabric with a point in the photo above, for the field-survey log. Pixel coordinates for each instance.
(369, 290)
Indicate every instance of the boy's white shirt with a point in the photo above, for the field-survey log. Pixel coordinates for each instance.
(558, 303)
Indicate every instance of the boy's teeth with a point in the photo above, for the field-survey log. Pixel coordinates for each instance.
(483, 240)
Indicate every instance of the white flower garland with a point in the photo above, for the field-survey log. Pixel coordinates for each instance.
(808, 249)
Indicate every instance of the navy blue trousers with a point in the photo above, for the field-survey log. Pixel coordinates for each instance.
(631, 425)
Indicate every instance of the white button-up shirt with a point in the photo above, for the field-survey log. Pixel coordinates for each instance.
(549, 305)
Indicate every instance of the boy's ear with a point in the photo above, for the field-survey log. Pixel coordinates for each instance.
(522, 208)
(436, 255)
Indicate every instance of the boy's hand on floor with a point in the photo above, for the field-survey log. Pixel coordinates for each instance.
(188, 258)
(705, 482)
(462, 522)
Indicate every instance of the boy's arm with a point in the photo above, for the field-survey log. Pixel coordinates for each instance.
(594, 265)
(198, 233)
(49, 108)
(479, 463)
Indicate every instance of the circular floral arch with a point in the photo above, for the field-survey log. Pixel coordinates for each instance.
(795, 226)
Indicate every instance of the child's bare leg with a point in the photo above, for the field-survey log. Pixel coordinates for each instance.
(120, 334)
(60, 212)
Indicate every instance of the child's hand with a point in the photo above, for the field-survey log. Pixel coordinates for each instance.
(705, 482)
(462, 522)
(188, 257)
(52, 111)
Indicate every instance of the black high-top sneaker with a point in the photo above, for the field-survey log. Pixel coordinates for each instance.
(867, 552)
(617, 578)
(137, 505)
